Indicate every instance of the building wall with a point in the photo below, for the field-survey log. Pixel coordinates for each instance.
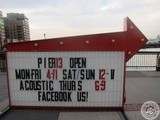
(16, 27)
(2, 32)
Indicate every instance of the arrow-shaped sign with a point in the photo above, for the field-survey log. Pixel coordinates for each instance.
(130, 40)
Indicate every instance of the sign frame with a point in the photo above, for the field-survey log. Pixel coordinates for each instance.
(129, 41)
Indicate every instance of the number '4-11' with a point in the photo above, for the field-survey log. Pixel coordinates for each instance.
(52, 74)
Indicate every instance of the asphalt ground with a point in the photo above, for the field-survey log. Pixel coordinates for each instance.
(3, 87)
(140, 87)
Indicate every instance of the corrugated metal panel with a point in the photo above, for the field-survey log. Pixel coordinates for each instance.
(29, 70)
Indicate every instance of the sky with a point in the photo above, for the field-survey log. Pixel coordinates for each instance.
(59, 18)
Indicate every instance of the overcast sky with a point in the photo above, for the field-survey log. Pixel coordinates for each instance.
(57, 18)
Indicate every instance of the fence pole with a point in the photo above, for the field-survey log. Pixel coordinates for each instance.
(158, 62)
(2, 62)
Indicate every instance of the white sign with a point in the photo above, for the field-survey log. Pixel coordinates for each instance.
(66, 79)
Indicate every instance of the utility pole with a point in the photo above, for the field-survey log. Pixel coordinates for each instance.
(44, 36)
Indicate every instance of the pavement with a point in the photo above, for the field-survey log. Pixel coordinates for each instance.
(141, 86)
(3, 92)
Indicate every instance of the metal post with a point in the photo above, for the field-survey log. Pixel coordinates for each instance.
(158, 62)
(44, 36)
(2, 62)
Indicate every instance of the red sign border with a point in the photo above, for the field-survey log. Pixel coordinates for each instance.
(129, 41)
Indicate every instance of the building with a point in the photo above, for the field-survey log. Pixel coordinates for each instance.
(2, 32)
(16, 27)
